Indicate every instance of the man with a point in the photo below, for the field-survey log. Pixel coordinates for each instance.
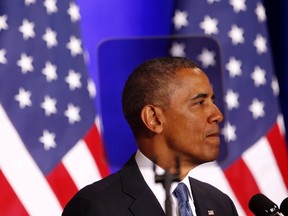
(169, 105)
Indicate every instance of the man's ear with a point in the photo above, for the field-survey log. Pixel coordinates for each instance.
(152, 118)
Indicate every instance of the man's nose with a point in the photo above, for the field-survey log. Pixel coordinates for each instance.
(217, 115)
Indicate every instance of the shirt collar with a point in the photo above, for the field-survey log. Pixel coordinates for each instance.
(146, 168)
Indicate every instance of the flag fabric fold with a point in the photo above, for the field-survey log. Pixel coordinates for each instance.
(255, 157)
(50, 146)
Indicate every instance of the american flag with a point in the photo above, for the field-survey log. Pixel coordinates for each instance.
(50, 146)
(254, 154)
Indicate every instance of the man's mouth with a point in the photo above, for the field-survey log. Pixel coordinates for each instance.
(214, 134)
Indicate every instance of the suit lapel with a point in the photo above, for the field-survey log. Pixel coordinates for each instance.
(134, 185)
(201, 201)
(146, 205)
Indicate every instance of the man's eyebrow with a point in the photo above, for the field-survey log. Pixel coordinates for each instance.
(202, 95)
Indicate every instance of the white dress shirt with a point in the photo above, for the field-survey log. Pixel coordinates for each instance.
(146, 168)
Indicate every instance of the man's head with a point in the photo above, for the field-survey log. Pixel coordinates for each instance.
(150, 83)
(169, 104)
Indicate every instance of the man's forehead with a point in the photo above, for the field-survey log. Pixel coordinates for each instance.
(194, 73)
(194, 79)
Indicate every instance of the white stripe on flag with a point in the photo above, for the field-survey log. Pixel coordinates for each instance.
(80, 165)
(261, 161)
(280, 122)
(213, 174)
(23, 174)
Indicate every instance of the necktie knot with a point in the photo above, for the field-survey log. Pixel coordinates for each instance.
(181, 193)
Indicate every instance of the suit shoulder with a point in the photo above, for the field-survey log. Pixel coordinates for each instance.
(91, 199)
(210, 196)
(105, 185)
(208, 188)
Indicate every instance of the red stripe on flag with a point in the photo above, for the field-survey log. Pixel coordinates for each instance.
(95, 146)
(279, 148)
(62, 184)
(242, 183)
(9, 202)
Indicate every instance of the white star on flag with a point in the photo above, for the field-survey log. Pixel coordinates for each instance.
(3, 22)
(258, 75)
(74, 13)
(72, 113)
(27, 29)
(73, 80)
(260, 44)
(238, 5)
(86, 57)
(209, 25)
(234, 67)
(23, 97)
(50, 71)
(236, 34)
(231, 99)
(229, 132)
(50, 38)
(50, 6)
(91, 88)
(177, 49)
(29, 2)
(207, 58)
(48, 140)
(275, 86)
(49, 105)
(25, 63)
(74, 46)
(212, 1)
(257, 108)
(180, 19)
(3, 59)
(260, 12)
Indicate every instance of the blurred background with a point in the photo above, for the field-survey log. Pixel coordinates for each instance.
(63, 65)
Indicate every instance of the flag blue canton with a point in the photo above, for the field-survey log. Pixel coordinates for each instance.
(249, 86)
(44, 85)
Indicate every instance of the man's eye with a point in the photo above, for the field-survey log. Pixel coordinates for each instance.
(200, 102)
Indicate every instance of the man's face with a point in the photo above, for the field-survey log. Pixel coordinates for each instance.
(191, 120)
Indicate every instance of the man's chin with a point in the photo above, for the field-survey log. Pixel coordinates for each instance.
(211, 157)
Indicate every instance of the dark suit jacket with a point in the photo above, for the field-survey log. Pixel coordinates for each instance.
(126, 193)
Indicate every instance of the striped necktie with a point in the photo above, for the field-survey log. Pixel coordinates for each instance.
(181, 193)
